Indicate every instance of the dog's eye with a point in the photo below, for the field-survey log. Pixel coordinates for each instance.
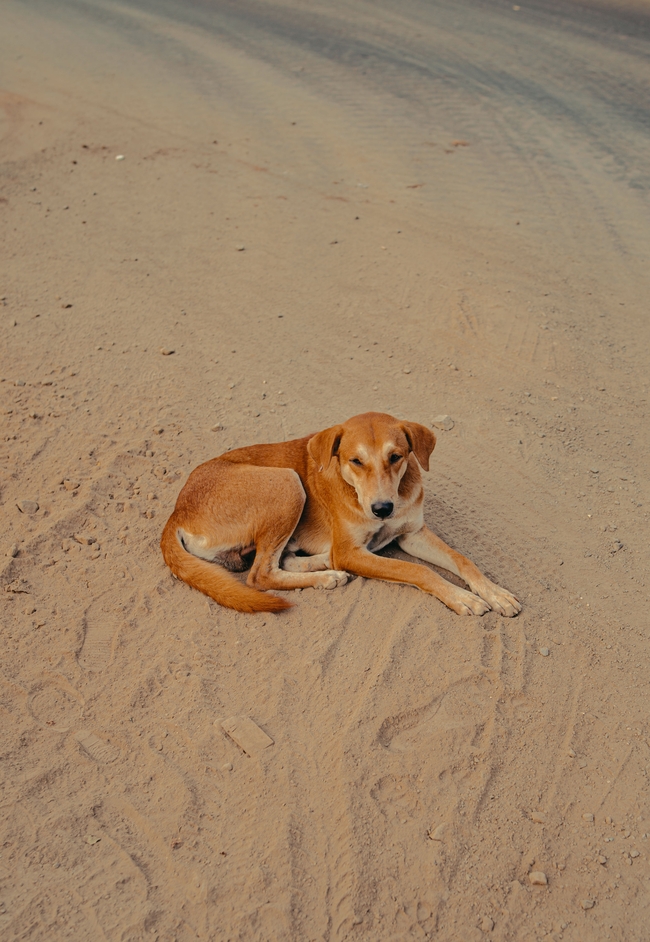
(395, 458)
(356, 461)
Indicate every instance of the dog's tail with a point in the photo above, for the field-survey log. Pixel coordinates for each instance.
(214, 580)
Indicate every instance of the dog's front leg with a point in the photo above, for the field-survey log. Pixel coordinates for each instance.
(426, 545)
(361, 562)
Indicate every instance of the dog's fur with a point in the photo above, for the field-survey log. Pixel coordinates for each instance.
(334, 498)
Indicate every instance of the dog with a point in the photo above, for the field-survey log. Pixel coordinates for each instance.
(311, 511)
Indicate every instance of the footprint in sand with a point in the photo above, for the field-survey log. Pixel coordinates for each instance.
(98, 749)
(101, 624)
(55, 704)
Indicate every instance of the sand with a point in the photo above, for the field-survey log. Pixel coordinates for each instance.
(324, 209)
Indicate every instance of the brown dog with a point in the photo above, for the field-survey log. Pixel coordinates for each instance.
(337, 496)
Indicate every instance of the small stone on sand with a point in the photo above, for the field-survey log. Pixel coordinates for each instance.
(537, 878)
(70, 485)
(588, 817)
(166, 351)
(635, 854)
(120, 157)
(217, 428)
(27, 506)
(83, 539)
(12, 551)
(544, 652)
(240, 248)
(444, 422)
(539, 817)
(438, 833)
(486, 924)
(601, 859)
(227, 767)
(587, 904)
(247, 734)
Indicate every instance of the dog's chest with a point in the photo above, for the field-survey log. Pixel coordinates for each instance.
(385, 535)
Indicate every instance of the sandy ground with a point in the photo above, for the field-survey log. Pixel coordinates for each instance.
(324, 208)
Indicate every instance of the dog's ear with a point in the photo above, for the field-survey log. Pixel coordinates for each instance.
(421, 441)
(325, 445)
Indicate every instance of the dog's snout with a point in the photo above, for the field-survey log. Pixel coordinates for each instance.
(382, 509)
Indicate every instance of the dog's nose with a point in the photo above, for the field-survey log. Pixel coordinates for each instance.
(382, 509)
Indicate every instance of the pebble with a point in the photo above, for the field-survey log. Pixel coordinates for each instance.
(539, 817)
(571, 754)
(486, 924)
(151, 496)
(120, 157)
(158, 430)
(608, 820)
(92, 839)
(27, 506)
(84, 540)
(587, 904)
(217, 428)
(544, 652)
(537, 878)
(12, 552)
(594, 470)
(438, 833)
(70, 485)
(19, 382)
(240, 248)
(444, 422)
(167, 351)
(587, 817)
(601, 859)
(227, 767)
(635, 853)
(407, 369)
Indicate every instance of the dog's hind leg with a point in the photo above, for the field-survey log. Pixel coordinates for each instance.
(293, 563)
(281, 518)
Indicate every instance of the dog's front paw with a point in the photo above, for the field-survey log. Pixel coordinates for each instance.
(331, 578)
(466, 603)
(500, 600)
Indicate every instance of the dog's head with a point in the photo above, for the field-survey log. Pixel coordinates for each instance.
(373, 453)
